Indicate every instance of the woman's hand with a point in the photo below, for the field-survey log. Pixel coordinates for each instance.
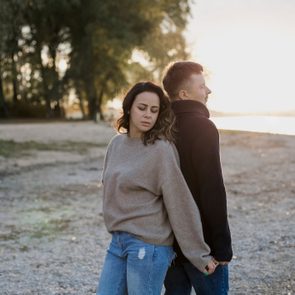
(210, 268)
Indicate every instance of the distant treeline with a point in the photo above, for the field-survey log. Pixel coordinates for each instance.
(92, 49)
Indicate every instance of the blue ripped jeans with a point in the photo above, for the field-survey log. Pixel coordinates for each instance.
(134, 267)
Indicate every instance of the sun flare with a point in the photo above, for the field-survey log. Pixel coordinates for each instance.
(249, 57)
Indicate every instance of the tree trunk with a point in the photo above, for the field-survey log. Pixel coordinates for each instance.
(91, 95)
(102, 91)
(80, 97)
(55, 91)
(3, 107)
(14, 79)
(44, 81)
(99, 103)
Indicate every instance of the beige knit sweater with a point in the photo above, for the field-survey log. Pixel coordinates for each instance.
(146, 195)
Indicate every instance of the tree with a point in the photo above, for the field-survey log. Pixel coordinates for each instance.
(48, 30)
(105, 33)
(11, 20)
(101, 38)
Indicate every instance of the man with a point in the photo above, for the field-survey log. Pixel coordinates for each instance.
(198, 147)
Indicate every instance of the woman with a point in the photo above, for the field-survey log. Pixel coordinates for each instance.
(146, 199)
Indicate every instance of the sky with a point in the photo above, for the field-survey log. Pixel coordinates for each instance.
(248, 50)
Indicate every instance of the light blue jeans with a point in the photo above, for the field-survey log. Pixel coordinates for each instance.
(134, 267)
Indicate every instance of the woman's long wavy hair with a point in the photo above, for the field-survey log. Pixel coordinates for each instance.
(164, 126)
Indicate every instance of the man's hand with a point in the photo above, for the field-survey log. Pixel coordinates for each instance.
(220, 262)
(210, 268)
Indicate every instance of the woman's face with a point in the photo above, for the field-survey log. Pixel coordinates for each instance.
(144, 113)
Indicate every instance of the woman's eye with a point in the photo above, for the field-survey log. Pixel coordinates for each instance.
(155, 111)
(141, 108)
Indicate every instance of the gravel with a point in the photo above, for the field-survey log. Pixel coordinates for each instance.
(52, 235)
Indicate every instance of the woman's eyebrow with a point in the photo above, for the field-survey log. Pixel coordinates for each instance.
(147, 105)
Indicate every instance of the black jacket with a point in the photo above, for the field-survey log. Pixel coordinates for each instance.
(197, 143)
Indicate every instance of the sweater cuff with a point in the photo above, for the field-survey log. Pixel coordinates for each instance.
(223, 256)
(202, 262)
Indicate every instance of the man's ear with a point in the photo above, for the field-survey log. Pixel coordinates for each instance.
(182, 94)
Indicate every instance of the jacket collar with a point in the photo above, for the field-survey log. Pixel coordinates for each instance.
(190, 106)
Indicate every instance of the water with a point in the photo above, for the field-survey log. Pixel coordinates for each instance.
(265, 124)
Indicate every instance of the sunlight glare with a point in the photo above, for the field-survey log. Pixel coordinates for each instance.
(116, 104)
(249, 57)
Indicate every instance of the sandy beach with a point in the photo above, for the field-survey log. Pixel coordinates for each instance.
(52, 235)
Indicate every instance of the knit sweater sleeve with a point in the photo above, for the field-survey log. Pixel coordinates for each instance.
(183, 213)
(106, 157)
(212, 195)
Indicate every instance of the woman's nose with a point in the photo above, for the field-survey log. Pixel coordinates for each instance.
(147, 114)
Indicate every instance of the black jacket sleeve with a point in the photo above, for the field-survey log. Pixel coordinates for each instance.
(211, 196)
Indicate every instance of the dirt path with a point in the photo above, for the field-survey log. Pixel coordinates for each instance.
(52, 236)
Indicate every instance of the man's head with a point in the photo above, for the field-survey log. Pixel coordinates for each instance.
(184, 80)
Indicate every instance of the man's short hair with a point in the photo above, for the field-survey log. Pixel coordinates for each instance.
(176, 74)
